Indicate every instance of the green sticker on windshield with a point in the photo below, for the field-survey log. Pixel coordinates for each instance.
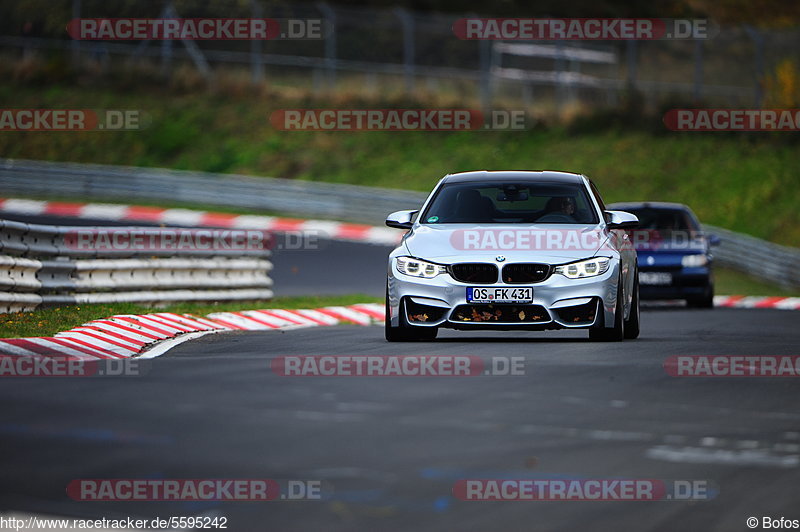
(433, 219)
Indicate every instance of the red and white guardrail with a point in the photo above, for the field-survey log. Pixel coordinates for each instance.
(194, 218)
(128, 335)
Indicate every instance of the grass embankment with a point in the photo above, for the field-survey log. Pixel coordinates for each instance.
(730, 282)
(48, 321)
(743, 182)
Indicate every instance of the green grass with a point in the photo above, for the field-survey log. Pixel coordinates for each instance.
(48, 321)
(742, 182)
(729, 282)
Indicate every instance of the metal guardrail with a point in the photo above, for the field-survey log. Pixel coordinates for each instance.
(757, 258)
(37, 240)
(123, 183)
(41, 266)
(753, 256)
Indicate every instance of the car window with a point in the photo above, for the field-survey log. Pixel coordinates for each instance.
(664, 220)
(511, 202)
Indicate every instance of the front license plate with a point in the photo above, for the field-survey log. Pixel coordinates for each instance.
(655, 278)
(500, 295)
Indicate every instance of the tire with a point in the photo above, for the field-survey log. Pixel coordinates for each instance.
(405, 332)
(617, 333)
(704, 301)
(632, 323)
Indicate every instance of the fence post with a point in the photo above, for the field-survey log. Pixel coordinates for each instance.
(76, 43)
(527, 94)
(698, 70)
(758, 40)
(256, 63)
(316, 82)
(407, 21)
(166, 45)
(632, 57)
(485, 56)
(574, 72)
(194, 51)
(559, 86)
(330, 43)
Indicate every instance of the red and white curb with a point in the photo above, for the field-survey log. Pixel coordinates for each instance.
(785, 303)
(148, 335)
(129, 335)
(137, 213)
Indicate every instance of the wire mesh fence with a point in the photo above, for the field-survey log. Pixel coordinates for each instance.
(397, 51)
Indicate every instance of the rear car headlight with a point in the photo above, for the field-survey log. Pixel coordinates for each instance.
(584, 268)
(419, 268)
(694, 261)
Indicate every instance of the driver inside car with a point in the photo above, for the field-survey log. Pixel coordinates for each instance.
(560, 205)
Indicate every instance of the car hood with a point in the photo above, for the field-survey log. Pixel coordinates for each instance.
(548, 243)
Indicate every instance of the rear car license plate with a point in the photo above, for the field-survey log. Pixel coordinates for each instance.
(522, 294)
(655, 278)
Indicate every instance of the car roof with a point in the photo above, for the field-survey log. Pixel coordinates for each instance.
(545, 176)
(664, 205)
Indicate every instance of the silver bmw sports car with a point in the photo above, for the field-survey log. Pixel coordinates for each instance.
(513, 250)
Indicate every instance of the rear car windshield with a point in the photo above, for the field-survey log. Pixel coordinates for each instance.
(664, 220)
(509, 203)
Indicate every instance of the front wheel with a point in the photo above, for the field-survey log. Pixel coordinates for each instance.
(632, 323)
(405, 332)
(704, 301)
(617, 333)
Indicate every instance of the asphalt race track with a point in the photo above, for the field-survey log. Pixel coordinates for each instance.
(390, 449)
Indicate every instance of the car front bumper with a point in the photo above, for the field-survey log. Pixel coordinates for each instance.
(558, 302)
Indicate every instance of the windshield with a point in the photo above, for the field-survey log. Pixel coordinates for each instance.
(510, 203)
(664, 220)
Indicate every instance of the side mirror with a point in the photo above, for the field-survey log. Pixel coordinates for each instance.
(401, 219)
(714, 240)
(621, 220)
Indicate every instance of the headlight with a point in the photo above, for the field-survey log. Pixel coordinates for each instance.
(584, 268)
(694, 261)
(419, 268)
